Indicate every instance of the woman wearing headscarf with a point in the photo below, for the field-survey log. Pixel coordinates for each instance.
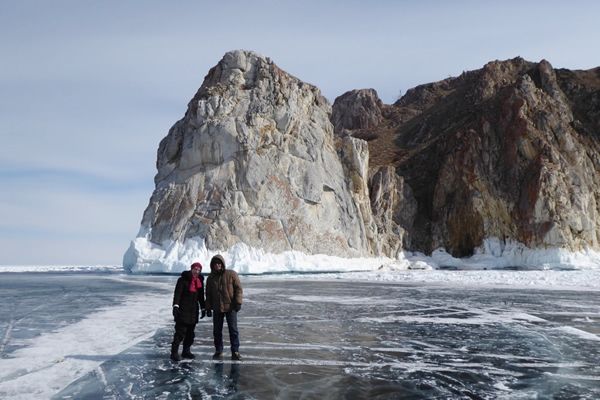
(188, 299)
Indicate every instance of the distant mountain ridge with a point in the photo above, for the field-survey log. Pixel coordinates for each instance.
(510, 151)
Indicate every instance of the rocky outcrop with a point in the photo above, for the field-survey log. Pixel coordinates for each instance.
(255, 161)
(358, 111)
(394, 208)
(509, 151)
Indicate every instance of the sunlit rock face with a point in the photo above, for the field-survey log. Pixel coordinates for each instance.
(510, 151)
(255, 160)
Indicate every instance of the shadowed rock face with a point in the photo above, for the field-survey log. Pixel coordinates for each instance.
(509, 151)
(255, 160)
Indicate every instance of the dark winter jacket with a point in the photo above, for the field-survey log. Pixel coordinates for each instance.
(224, 289)
(188, 302)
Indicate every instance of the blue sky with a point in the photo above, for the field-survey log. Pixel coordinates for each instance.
(89, 88)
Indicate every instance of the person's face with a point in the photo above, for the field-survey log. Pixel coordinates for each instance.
(218, 266)
(195, 271)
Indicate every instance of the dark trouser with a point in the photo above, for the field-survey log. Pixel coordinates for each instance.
(234, 337)
(185, 333)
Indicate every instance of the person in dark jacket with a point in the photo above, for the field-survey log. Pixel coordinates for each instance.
(189, 294)
(224, 301)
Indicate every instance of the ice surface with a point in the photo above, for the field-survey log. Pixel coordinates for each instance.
(580, 333)
(311, 338)
(144, 256)
(54, 334)
(586, 279)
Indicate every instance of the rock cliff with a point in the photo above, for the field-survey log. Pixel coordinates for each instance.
(255, 160)
(510, 151)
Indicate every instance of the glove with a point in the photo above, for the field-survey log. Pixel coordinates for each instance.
(176, 312)
(237, 307)
(209, 313)
(203, 313)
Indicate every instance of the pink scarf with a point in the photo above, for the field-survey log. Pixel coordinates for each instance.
(195, 284)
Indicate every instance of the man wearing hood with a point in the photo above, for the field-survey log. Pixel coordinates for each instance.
(189, 294)
(224, 301)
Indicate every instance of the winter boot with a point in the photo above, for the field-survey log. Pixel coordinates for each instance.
(187, 353)
(175, 352)
(218, 355)
(236, 356)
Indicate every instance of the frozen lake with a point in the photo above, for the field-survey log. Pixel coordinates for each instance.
(90, 336)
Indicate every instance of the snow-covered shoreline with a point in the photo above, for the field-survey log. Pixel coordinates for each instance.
(578, 280)
(146, 257)
(61, 268)
(495, 264)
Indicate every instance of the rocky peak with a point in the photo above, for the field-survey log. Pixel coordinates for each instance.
(248, 72)
(255, 161)
(582, 90)
(491, 154)
(424, 96)
(509, 151)
(488, 154)
(357, 110)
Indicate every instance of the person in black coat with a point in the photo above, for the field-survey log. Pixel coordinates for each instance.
(188, 299)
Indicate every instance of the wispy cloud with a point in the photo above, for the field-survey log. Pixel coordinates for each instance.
(88, 89)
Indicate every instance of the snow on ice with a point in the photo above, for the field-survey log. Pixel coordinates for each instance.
(144, 256)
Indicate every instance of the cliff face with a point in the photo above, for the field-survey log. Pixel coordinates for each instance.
(509, 151)
(255, 160)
